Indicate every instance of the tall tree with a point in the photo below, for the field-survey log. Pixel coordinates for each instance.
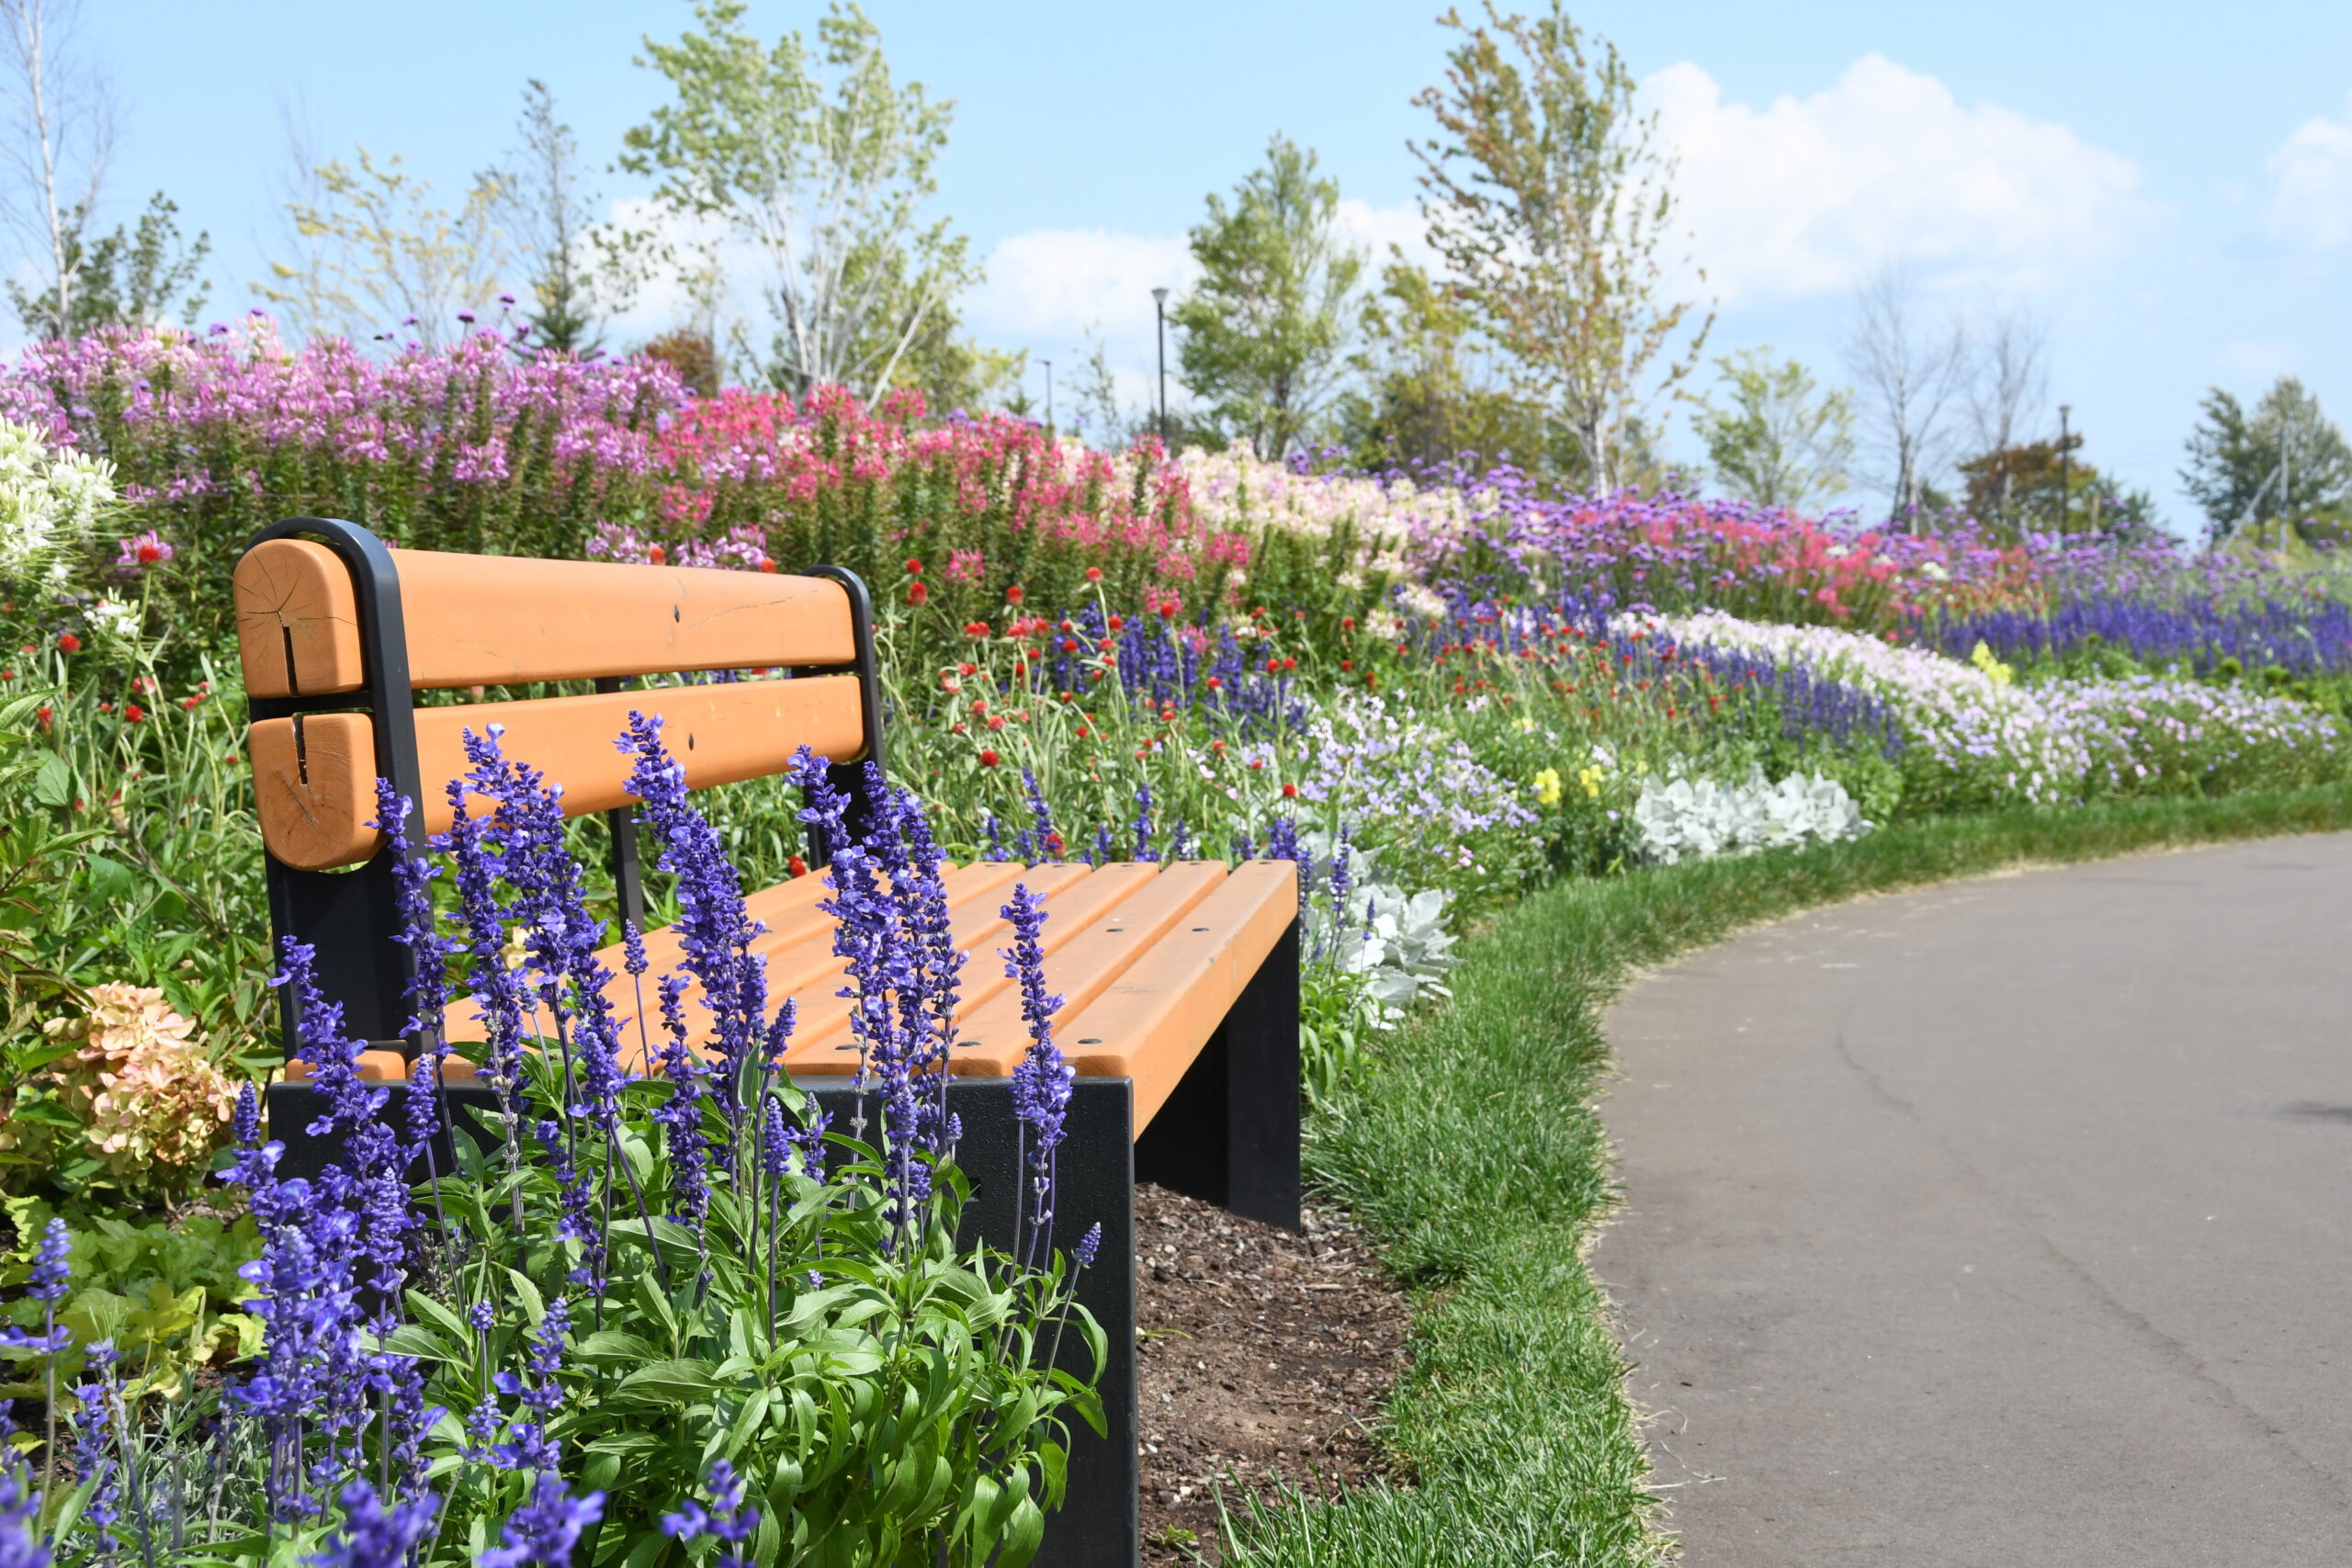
(573, 267)
(828, 182)
(1260, 337)
(141, 275)
(2286, 459)
(1425, 393)
(1781, 440)
(1912, 373)
(1547, 199)
(53, 156)
(376, 257)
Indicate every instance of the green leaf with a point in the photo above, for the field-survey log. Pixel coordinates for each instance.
(442, 1317)
(678, 1382)
(53, 786)
(415, 1339)
(615, 1345)
(533, 1302)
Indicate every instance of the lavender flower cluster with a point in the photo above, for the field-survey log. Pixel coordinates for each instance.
(434, 1347)
(2302, 636)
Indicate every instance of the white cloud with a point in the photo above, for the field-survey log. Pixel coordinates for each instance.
(1804, 196)
(1064, 283)
(2311, 184)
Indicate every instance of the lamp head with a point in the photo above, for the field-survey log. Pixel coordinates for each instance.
(1160, 297)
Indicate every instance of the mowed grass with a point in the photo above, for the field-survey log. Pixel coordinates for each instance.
(1476, 1156)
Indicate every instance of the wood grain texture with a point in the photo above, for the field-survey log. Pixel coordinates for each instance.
(506, 620)
(316, 805)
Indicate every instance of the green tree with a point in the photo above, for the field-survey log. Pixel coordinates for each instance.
(1420, 398)
(140, 275)
(1260, 337)
(577, 270)
(1781, 440)
(1547, 199)
(2286, 459)
(376, 257)
(826, 181)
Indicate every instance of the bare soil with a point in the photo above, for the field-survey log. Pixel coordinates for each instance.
(1266, 1357)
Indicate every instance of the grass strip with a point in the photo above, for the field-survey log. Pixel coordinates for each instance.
(1476, 1156)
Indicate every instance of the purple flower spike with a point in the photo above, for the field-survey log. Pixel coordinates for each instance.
(374, 1536)
(1041, 1084)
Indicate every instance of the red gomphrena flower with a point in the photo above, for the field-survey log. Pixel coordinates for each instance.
(996, 721)
(1289, 665)
(989, 759)
(767, 563)
(1347, 665)
(968, 669)
(1069, 644)
(191, 702)
(917, 593)
(133, 713)
(914, 567)
(1347, 623)
(1118, 623)
(44, 715)
(975, 628)
(1168, 608)
(1257, 764)
(1274, 666)
(1290, 792)
(68, 643)
(1013, 596)
(796, 867)
(7, 675)
(1093, 574)
(1083, 732)
(1103, 645)
(1215, 682)
(1217, 745)
(1065, 626)
(657, 555)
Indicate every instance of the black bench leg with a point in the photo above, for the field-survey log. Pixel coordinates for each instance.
(1228, 1134)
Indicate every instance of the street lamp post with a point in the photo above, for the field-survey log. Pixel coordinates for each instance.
(2065, 466)
(1160, 314)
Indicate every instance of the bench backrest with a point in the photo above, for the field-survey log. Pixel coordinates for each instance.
(336, 634)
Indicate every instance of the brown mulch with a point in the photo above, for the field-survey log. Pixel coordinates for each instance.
(1265, 1357)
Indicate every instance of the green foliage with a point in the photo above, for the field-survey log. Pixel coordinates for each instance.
(1547, 199)
(165, 1291)
(827, 180)
(140, 276)
(577, 270)
(376, 257)
(2285, 458)
(1418, 402)
(891, 1398)
(1783, 440)
(1261, 333)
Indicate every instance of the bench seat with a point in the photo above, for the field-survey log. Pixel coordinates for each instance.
(1147, 959)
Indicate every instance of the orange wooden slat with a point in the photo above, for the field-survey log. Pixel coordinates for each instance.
(316, 801)
(503, 620)
(1153, 1020)
(1074, 898)
(799, 953)
(993, 1039)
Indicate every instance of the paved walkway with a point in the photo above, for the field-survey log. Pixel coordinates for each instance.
(2007, 1223)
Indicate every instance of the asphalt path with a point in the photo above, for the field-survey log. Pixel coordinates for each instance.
(2007, 1223)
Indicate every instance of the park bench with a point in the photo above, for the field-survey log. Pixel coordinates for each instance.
(1181, 980)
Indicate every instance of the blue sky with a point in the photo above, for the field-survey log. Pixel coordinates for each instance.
(2169, 188)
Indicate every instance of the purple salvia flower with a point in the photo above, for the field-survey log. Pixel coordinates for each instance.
(546, 1527)
(22, 1544)
(372, 1535)
(1041, 1084)
(727, 1520)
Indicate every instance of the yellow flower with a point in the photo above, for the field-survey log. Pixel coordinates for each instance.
(1547, 787)
(1526, 725)
(1983, 659)
(1590, 778)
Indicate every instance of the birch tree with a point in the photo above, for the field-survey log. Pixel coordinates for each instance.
(54, 159)
(822, 168)
(1548, 199)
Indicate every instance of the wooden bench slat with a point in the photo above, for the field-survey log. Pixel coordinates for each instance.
(799, 958)
(314, 776)
(994, 1039)
(499, 620)
(1072, 907)
(1152, 1021)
